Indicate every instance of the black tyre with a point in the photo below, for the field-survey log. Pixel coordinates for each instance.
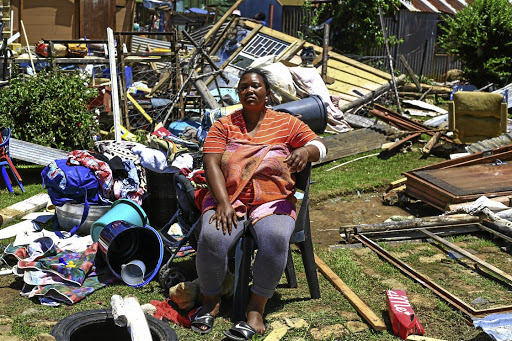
(98, 325)
(170, 276)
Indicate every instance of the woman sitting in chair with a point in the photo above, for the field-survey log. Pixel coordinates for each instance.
(249, 158)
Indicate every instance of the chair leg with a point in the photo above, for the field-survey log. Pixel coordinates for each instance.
(308, 258)
(289, 271)
(18, 180)
(6, 179)
(13, 169)
(243, 253)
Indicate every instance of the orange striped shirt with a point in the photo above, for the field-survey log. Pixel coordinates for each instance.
(276, 128)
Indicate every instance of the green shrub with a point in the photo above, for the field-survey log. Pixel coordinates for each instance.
(49, 109)
(481, 36)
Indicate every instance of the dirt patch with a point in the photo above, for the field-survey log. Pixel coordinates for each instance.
(328, 216)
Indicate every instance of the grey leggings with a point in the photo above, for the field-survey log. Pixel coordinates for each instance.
(272, 234)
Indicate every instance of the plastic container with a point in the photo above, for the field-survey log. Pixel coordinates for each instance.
(161, 203)
(127, 73)
(311, 109)
(124, 209)
(121, 243)
(70, 215)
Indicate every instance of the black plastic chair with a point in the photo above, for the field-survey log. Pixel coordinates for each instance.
(301, 237)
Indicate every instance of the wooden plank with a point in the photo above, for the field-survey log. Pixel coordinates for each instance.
(338, 65)
(163, 78)
(352, 62)
(346, 88)
(352, 142)
(341, 77)
(21, 208)
(221, 21)
(354, 300)
(483, 264)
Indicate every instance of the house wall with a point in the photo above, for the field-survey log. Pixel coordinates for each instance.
(419, 33)
(49, 19)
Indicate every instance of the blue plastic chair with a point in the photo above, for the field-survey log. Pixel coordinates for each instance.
(5, 161)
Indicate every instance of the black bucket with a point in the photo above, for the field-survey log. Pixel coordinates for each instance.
(99, 325)
(161, 204)
(311, 109)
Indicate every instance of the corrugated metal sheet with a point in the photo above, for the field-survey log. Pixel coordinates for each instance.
(34, 153)
(419, 33)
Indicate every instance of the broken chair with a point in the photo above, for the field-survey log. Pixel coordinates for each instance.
(474, 116)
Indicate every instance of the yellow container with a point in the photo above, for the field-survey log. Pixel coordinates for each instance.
(16, 47)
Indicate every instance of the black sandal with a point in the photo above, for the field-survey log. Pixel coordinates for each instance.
(205, 320)
(240, 331)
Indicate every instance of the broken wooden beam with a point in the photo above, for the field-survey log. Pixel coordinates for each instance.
(410, 223)
(221, 21)
(433, 140)
(354, 300)
(368, 97)
(18, 210)
(205, 94)
(411, 73)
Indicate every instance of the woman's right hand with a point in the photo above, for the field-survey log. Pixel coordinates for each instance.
(225, 217)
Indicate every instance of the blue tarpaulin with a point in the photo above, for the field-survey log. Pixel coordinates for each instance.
(155, 3)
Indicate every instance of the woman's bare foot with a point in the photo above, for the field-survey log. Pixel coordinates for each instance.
(255, 320)
(255, 310)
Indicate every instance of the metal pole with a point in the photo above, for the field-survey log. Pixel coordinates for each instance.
(399, 109)
(113, 83)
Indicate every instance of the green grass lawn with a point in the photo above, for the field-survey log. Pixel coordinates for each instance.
(329, 318)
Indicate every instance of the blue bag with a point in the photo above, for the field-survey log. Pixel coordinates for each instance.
(71, 184)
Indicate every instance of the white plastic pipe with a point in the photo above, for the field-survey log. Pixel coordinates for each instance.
(113, 84)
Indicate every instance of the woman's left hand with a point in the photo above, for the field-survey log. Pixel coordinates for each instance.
(297, 159)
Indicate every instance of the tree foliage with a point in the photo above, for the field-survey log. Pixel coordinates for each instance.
(481, 36)
(355, 26)
(49, 109)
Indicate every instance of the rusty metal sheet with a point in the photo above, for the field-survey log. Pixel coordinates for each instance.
(433, 6)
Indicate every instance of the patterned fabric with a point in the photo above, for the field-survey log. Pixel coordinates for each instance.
(65, 277)
(123, 149)
(264, 166)
(101, 169)
(55, 171)
(129, 187)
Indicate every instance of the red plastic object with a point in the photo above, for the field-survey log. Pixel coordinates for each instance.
(402, 316)
(161, 132)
